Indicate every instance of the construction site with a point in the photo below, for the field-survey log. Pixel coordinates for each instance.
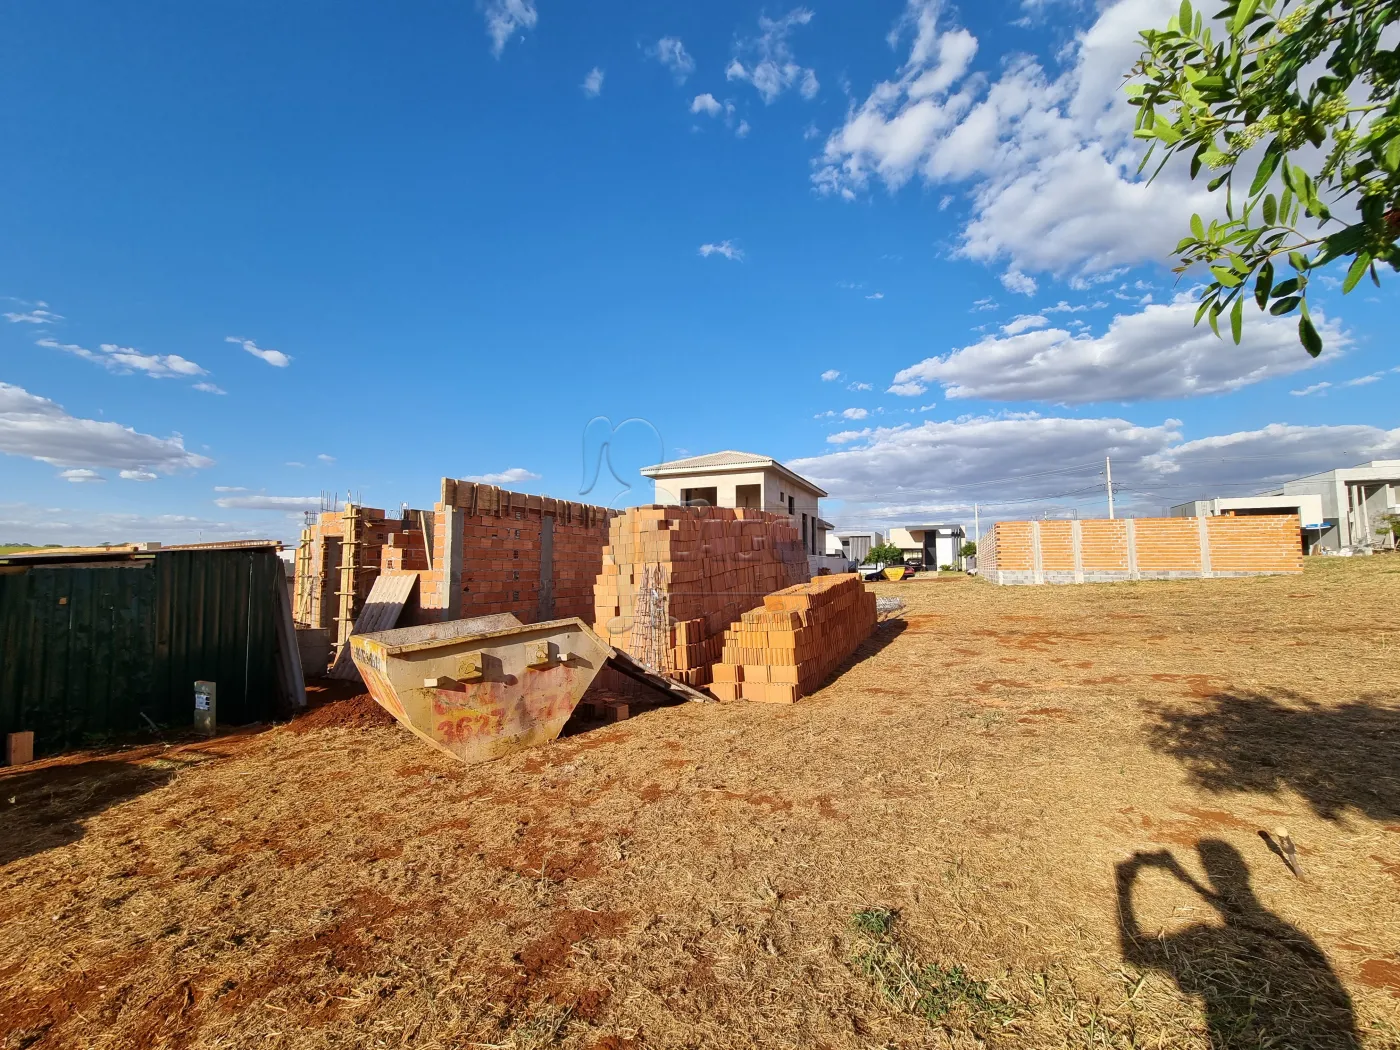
(566, 775)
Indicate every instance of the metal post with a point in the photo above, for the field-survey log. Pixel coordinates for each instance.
(976, 526)
(1108, 475)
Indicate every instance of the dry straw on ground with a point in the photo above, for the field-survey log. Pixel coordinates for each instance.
(1019, 818)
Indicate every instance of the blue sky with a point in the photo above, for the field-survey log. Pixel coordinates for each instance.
(255, 252)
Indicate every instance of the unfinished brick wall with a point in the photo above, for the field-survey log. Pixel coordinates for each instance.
(708, 565)
(1103, 551)
(786, 649)
(498, 551)
(381, 544)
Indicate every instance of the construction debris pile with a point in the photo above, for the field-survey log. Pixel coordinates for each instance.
(786, 649)
(674, 578)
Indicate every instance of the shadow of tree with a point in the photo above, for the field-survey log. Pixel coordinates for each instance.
(1337, 756)
(44, 808)
(1261, 981)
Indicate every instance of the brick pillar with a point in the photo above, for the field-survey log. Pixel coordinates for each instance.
(1037, 564)
(1076, 533)
(1130, 528)
(545, 608)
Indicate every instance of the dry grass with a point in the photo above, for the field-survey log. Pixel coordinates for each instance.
(997, 775)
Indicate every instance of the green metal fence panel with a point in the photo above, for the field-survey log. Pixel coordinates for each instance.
(87, 649)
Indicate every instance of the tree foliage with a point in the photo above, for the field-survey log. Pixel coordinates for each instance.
(884, 552)
(968, 549)
(1313, 84)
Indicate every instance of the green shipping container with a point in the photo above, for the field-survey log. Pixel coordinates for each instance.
(89, 643)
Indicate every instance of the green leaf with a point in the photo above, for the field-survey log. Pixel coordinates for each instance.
(1307, 335)
(1215, 324)
(1264, 284)
(1356, 272)
(1391, 155)
(1237, 320)
(1270, 209)
(1285, 306)
(1285, 206)
(1286, 288)
(1298, 261)
(1267, 164)
(1226, 276)
(1242, 17)
(1198, 228)
(1184, 17)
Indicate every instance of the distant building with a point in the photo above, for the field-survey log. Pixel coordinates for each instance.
(743, 479)
(932, 545)
(1338, 509)
(853, 545)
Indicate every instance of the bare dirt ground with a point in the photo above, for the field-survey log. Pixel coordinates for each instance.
(1025, 817)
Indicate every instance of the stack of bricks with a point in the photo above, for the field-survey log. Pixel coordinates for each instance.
(497, 551)
(711, 564)
(786, 649)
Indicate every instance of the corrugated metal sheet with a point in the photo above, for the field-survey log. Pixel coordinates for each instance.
(88, 647)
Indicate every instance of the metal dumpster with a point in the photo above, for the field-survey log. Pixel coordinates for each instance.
(489, 686)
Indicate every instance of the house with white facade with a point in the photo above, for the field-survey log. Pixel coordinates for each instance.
(931, 545)
(1339, 509)
(743, 479)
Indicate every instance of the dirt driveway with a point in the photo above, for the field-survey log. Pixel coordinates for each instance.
(1023, 817)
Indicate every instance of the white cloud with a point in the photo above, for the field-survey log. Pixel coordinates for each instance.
(275, 358)
(671, 53)
(294, 463)
(767, 61)
(210, 388)
(593, 82)
(854, 413)
(325, 458)
(88, 527)
(724, 248)
(137, 475)
(1023, 322)
(706, 103)
(985, 304)
(742, 131)
(38, 315)
(505, 477)
(1063, 307)
(1363, 380)
(289, 503)
(1313, 389)
(1016, 281)
(1021, 465)
(830, 375)
(859, 386)
(876, 295)
(505, 17)
(1156, 353)
(81, 475)
(229, 488)
(38, 428)
(906, 389)
(1051, 158)
(126, 361)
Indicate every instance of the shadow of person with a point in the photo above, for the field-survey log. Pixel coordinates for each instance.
(1262, 981)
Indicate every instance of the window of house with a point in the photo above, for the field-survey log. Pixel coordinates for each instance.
(792, 505)
(804, 530)
(706, 497)
(748, 496)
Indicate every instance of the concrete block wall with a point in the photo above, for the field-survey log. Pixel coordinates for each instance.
(499, 551)
(1104, 551)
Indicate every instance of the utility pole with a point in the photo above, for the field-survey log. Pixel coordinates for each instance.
(1108, 474)
(976, 526)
